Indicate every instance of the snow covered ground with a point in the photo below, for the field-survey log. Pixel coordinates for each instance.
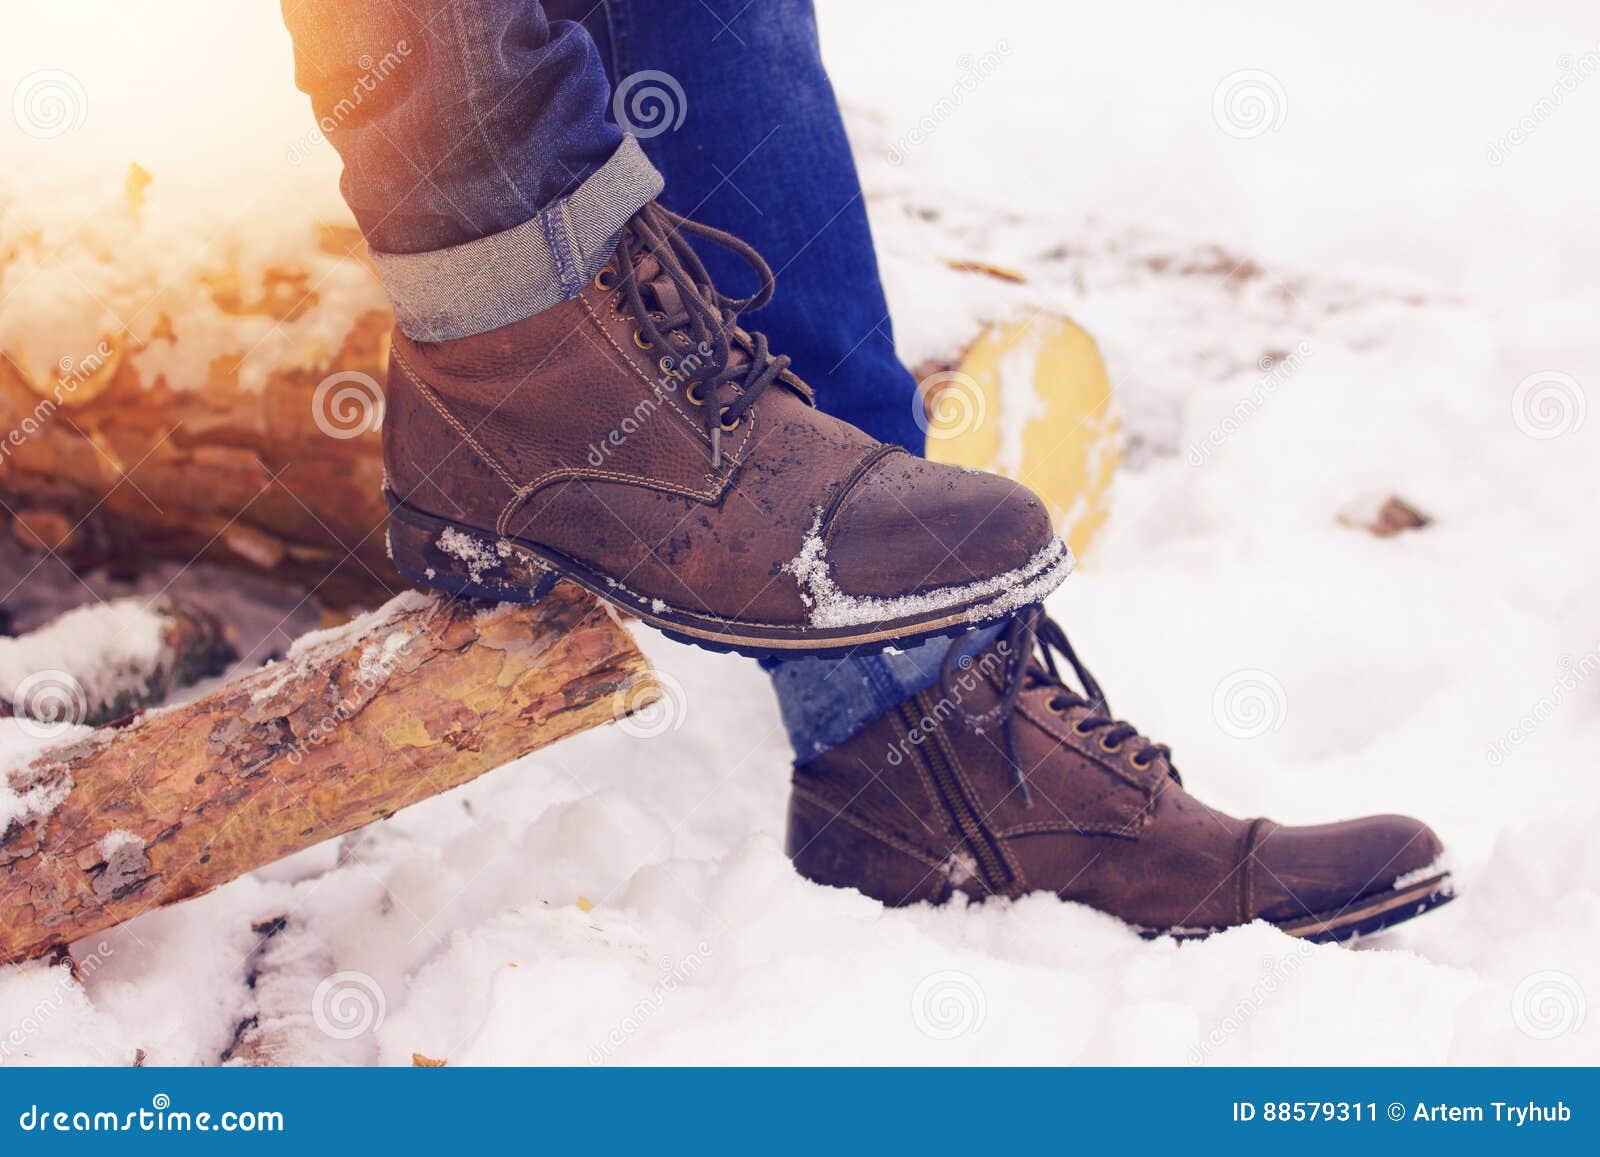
(1417, 214)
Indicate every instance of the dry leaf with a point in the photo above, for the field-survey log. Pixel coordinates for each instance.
(1385, 520)
(998, 272)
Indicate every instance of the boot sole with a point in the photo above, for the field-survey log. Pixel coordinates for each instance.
(1361, 917)
(1375, 913)
(461, 560)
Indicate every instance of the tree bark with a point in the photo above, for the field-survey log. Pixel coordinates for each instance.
(355, 724)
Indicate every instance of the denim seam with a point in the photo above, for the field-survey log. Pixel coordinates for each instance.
(882, 679)
(620, 33)
(558, 236)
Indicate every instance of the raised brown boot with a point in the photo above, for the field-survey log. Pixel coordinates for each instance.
(1001, 780)
(636, 441)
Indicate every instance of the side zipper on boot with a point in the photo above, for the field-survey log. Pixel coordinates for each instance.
(992, 869)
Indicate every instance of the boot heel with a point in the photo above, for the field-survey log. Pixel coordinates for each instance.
(435, 553)
(828, 848)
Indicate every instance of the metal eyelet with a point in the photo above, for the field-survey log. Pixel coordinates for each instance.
(640, 340)
(604, 281)
(1110, 748)
(1058, 704)
(1078, 729)
(665, 366)
(722, 419)
(1141, 764)
(692, 392)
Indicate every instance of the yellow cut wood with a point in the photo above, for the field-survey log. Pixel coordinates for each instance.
(1031, 400)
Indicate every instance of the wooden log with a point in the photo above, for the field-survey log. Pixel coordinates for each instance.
(232, 416)
(358, 722)
(100, 662)
(135, 470)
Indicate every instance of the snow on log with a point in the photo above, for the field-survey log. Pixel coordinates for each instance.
(100, 662)
(356, 723)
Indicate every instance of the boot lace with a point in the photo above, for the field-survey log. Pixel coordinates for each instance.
(1031, 631)
(734, 368)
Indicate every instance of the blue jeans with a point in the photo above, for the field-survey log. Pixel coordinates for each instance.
(493, 149)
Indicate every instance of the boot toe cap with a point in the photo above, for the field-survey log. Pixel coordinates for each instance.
(1305, 871)
(910, 526)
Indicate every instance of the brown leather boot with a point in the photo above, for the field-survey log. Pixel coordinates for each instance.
(1001, 780)
(636, 441)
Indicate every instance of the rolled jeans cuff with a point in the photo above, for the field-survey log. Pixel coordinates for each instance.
(826, 702)
(505, 277)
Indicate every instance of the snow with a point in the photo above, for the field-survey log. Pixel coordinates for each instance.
(1426, 872)
(310, 647)
(117, 840)
(23, 797)
(1448, 673)
(469, 549)
(828, 606)
(1020, 403)
(84, 660)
